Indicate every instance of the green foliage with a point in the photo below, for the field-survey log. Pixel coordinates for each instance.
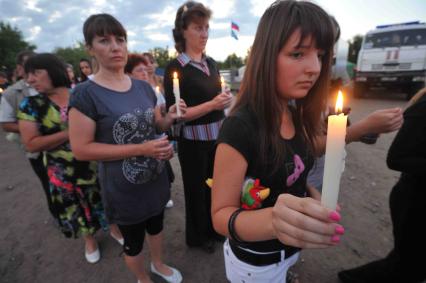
(11, 43)
(233, 61)
(161, 55)
(354, 47)
(72, 55)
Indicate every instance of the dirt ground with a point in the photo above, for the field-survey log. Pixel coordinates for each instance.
(33, 250)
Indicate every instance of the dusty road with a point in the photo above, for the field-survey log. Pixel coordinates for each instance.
(33, 250)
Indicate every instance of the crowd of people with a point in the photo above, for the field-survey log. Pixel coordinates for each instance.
(100, 143)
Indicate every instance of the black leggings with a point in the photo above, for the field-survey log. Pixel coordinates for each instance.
(134, 234)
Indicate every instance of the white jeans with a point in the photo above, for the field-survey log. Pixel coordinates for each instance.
(238, 271)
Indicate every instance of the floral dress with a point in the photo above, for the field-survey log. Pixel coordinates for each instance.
(73, 184)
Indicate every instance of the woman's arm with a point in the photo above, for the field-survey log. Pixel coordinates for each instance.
(35, 142)
(82, 137)
(407, 151)
(219, 102)
(10, 127)
(378, 122)
(299, 222)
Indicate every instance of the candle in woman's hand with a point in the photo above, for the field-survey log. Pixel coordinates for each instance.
(176, 91)
(334, 155)
(222, 84)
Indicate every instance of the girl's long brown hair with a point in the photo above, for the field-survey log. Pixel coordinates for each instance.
(259, 86)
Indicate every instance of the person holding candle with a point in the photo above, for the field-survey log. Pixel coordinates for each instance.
(198, 83)
(113, 119)
(407, 201)
(266, 138)
(377, 122)
(136, 68)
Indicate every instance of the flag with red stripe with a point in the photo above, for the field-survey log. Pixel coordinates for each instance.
(234, 29)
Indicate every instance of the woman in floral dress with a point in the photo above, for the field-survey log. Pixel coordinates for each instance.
(43, 122)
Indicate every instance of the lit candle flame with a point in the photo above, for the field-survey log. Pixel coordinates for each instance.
(175, 75)
(339, 103)
(157, 88)
(1, 90)
(222, 80)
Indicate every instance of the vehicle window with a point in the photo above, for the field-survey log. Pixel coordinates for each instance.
(396, 38)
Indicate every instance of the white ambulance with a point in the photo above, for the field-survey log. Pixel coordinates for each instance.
(393, 57)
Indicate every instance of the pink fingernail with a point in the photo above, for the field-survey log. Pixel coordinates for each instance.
(340, 230)
(334, 216)
(335, 239)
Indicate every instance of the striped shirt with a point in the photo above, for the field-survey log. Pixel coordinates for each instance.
(184, 59)
(205, 132)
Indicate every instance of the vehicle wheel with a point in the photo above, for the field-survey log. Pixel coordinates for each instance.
(359, 89)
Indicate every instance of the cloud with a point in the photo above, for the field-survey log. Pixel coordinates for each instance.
(52, 24)
(259, 6)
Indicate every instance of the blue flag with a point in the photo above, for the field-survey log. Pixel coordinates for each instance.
(234, 34)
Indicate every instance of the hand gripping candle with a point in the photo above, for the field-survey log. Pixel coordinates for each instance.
(176, 91)
(334, 155)
(222, 84)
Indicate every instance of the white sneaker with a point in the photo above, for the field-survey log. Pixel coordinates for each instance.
(175, 277)
(93, 257)
(169, 204)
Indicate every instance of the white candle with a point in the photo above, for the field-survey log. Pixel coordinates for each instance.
(222, 84)
(157, 91)
(334, 155)
(176, 91)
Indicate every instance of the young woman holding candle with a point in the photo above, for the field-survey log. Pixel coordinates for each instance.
(289, 60)
(407, 154)
(113, 119)
(199, 86)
